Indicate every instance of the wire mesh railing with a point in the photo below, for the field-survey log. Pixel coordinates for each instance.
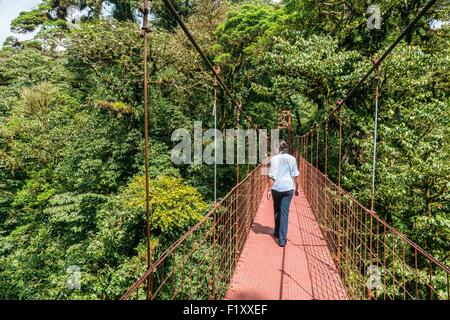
(375, 261)
(201, 263)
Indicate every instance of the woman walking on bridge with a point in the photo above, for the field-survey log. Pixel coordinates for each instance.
(283, 174)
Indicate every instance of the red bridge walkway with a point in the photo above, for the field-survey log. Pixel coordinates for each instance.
(303, 269)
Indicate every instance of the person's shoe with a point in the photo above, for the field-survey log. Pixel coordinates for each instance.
(281, 244)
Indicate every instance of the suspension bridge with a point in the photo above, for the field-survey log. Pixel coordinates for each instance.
(337, 249)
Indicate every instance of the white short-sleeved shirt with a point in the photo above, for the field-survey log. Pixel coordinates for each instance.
(283, 167)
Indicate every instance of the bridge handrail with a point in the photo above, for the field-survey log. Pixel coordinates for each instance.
(177, 243)
(391, 228)
(366, 240)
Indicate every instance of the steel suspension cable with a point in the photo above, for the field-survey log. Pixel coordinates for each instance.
(147, 179)
(197, 47)
(339, 188)
(326, 149)
(351, 92)
(217, 71)
(374, 158)
(317, 148)
(237, 146)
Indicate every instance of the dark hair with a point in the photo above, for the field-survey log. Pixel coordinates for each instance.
(283, 145)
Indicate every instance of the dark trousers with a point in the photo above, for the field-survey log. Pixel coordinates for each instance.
(281, 204)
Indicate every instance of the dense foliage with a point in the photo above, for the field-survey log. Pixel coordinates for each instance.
(71, 125)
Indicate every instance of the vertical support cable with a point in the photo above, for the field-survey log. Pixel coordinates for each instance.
(238, 190)
(144, 33)
(307, 166)
(326, 148)
(289, 123)
(217, 71)
(237, 162)
(317, 170)
(340, 102)
(311, 167)
(248, 160)
(372, 197)
(248, 150)
(376, 96)
(340, 150)
(317, 148)
(300, 145)
(214, 256)
(305, 147)
(325, 187)
(302, 172)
